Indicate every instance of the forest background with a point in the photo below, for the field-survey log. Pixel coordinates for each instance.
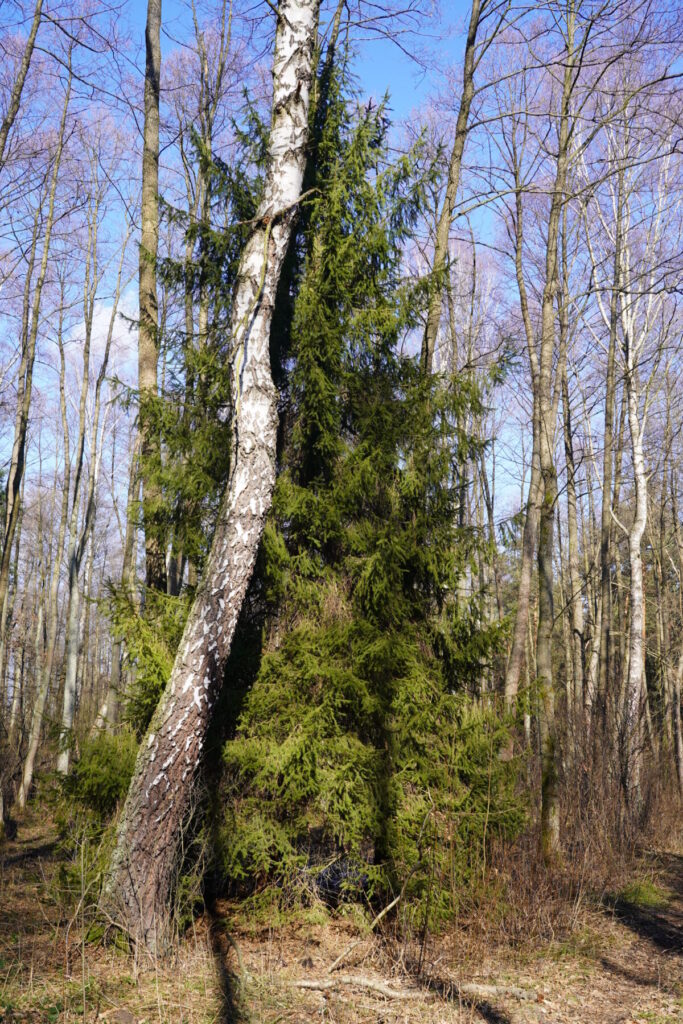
(465, 624)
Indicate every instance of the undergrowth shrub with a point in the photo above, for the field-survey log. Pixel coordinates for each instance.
(85, 804)
(99, 779)
(151, 642)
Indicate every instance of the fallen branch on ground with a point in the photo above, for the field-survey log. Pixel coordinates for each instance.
(470, 990)
(349, 949)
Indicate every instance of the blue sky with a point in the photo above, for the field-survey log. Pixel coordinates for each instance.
(381, 64)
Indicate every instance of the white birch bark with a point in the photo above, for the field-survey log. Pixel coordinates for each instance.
(141, 873)
(78, 538)
(639, 312)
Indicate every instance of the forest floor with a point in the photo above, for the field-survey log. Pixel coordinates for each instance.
(621, 963)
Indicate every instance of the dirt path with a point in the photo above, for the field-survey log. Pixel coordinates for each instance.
(623, 964)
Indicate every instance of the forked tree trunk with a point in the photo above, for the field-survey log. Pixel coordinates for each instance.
(140, 880)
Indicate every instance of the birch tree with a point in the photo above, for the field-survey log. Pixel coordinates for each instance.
(644, 323)
(141, 872)
(30, 322)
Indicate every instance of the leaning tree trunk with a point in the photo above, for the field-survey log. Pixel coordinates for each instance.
(18, 86)
(141, 874)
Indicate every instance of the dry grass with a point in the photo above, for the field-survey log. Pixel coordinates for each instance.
(586, 965)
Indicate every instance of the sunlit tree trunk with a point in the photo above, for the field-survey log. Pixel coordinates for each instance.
(635, 684)
(30, 325)
(80, 535)
(51, 612)
(550, 808)
(443, 226)
(148, 340)
(139, 886)
(530, 528)
(18, 87)
(575, 595)
(109, 711)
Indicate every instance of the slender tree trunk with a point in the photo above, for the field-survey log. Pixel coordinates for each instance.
(148, 341)
(18, 87)
(139, 886)
(575, 598)
(550, 808)
(108, 713)
(8, 610)
(678, 677)
(607, 524)
(443, 227)
(79, 539)
(530, 529)
(618, 598)
(51, 613)
(635, 684)
(30, 324)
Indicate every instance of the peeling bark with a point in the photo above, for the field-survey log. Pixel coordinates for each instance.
(139, 886)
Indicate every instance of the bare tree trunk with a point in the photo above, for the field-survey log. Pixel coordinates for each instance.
(550, 808)
(51, 612)
(148, 341)
(30, 324)
(619, 596)
(678, 677)
(78, 539)
(575, 598)
(607, 524)
(108, 713)
(8, 611)
(444, 223)
(530, 529)
(18, 87)
(139, 886)
(635, 686)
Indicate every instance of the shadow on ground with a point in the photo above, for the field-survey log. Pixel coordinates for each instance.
(662, 926)
(232, 1010)
(31, 853)
(449, 992)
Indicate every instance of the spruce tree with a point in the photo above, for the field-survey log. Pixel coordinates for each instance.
(358, 737)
